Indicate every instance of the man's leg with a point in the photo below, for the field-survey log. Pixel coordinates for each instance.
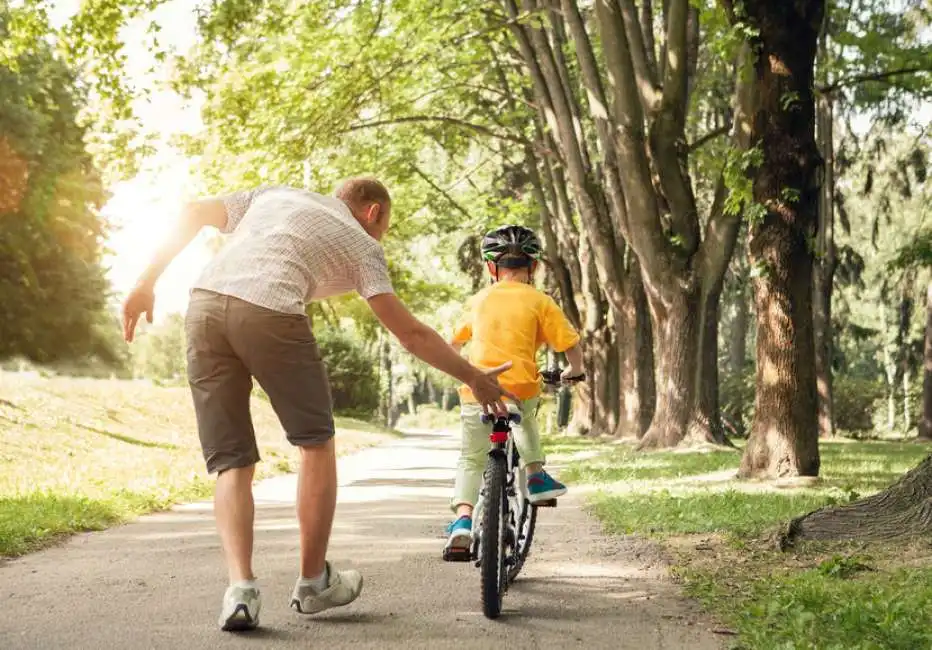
(220, 387)
(281, 353)
(317, 501)
(234, 510)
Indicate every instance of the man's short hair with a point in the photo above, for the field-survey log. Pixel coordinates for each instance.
(361, 191)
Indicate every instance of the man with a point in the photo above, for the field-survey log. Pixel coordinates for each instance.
(246, 318)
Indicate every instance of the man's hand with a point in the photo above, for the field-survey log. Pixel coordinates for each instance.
(141, 300)
(428, 346)
(488, 392)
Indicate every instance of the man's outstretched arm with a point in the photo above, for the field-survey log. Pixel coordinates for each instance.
(194, 216)
(428, 346)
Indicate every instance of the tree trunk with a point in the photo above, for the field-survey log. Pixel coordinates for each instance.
(925, 424)
(738, 333)
(676, 358)
(784, 434)
(901, 511)
(824, 272)
(706, 420)
(907, 404)
(385, 407)
(636, 360)
(889, 366)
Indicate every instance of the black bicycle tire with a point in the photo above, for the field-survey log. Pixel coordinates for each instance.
(492, 560)
(524, 549)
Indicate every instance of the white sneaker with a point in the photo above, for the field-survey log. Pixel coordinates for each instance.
(241, 607)
(343, 587)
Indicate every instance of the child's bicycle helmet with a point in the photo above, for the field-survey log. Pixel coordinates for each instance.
(519, 247)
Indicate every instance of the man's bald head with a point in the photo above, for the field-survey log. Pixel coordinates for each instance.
(369, 202)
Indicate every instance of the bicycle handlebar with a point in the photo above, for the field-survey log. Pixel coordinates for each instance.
(554, 377)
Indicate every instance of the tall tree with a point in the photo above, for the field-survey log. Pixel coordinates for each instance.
(631, 185)
(872, 61)
(52, 284)
(784, 440)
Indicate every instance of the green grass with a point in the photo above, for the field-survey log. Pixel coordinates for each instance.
(829, 597)
(625, 464)
(731, 512)
(842, 602)
(80, 454)
(429, 416)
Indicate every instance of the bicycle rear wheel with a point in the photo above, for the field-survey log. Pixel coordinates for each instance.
(524, 531)
(492, 537)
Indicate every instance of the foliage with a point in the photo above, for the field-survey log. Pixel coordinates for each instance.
(857, 400)
(354, 382)
(52, 285)
(159, 351)
(737, 397)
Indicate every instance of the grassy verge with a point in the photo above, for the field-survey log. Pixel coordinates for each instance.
(82, 454)
(717, 530)
(429, 416)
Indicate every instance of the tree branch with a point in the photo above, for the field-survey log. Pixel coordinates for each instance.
(558, 34)
(646, 75)
(647, 29)
(722, 228)
(646, 234)
(443, 119)
(706, 138)
(442, 192)
(598, 108)
(675, 70)
(855, 80)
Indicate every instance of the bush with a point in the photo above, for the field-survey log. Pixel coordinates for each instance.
(736, 393)
(354, 381)
(856, 402)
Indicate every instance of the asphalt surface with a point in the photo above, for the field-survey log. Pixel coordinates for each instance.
(157, 582)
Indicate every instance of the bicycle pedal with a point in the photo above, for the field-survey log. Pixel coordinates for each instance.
(549, 503)
(454, 554)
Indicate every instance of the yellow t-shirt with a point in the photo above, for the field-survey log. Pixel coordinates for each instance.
(509, 321)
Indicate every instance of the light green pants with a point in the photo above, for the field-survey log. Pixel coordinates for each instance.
(475, 448)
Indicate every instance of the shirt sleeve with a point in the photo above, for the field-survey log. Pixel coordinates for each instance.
(462, 333)
(236, 205)
(558, 333)
(372, 278)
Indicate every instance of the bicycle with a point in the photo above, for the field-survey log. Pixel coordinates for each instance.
(506, 518)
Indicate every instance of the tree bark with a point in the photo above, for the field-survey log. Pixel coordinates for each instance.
(889, 364)
(636, 394)
(738, 332)
(784, 433)
(925, 424)
(901, 511)
(675, 327)
(824, 271)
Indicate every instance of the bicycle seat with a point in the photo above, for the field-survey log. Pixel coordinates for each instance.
(512, 417)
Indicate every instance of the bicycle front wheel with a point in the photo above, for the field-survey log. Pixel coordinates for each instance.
(492, 537)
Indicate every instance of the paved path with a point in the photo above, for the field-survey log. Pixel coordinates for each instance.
(157, 582)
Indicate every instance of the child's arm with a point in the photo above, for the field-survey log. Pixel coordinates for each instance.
(574, 357)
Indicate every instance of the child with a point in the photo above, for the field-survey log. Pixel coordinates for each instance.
(508, 321)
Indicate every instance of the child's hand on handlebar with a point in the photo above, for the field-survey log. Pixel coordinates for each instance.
(572, 374)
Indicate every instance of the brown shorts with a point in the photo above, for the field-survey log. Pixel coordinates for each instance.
(230, 341)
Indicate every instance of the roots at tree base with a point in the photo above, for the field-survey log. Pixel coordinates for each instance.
(699, 432)
(901, 511)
